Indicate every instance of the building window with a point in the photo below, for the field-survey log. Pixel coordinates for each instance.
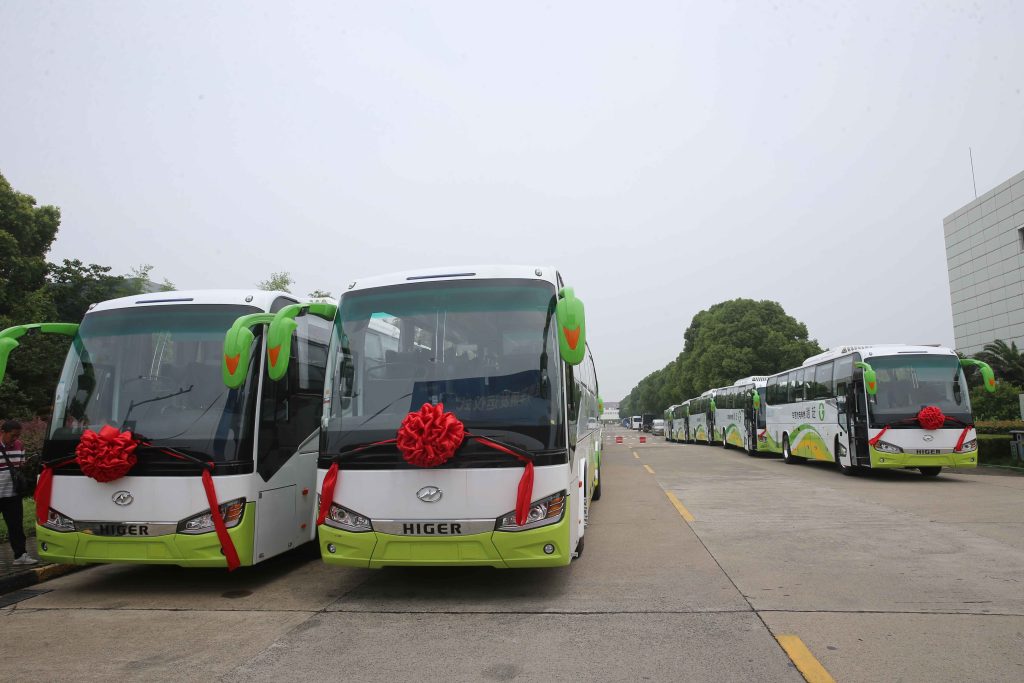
(1020, 237)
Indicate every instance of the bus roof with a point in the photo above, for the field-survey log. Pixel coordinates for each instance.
(546, 273)
(868, 350)
(753, 379)
(257, 298)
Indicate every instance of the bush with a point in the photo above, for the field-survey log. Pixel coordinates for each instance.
(994, 449)
(998, 426)
(1002, 404)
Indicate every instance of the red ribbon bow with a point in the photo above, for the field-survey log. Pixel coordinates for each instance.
(106, 456)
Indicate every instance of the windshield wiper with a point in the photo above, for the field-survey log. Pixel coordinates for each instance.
(133, 405)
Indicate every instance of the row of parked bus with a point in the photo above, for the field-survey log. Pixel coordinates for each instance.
(443, 417)
(876, 406)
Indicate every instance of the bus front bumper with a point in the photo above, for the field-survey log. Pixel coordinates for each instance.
(501, 549)
(965, 460)
(185, 550)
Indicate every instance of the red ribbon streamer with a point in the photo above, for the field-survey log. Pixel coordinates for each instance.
(226, 544)
(963, 435)
(873, 440)
(44, 489)
(327, 492)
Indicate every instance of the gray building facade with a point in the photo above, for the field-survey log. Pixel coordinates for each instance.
(985, 259)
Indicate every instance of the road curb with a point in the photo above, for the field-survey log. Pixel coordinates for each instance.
(31, 577)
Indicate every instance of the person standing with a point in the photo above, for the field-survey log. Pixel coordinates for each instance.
(12, 455)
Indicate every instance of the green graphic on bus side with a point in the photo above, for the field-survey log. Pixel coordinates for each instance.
(806, 442)
(770, 445)
(700, 433)
(733, 436)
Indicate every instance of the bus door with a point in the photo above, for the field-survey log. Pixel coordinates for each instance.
(857, 422)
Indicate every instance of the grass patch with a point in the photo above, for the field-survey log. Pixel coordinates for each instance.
(29, 523)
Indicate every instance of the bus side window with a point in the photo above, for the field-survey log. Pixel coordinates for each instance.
(823, 380)
(842, 376)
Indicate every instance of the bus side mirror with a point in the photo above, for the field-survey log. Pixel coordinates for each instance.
(279, 337)
(572, 327)
(237, 347)
(9, 338)
(870, 379)
(987, 376)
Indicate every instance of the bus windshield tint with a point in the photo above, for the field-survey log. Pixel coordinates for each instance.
(908, 383)
(486, 349)
(157, 372)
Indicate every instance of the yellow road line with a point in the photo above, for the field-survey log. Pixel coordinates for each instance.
(649, 470)
(635, 455)
(678, 504)
(811, 668)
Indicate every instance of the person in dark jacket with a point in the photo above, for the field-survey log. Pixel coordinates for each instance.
(12, 455)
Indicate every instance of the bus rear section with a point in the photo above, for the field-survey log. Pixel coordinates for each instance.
(480, 353)
(145, 374)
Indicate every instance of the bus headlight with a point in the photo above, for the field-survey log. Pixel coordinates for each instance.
(886, 447)
(542, 513)
(58, 522)
(971, 445)
(202, 523)
(349, 520)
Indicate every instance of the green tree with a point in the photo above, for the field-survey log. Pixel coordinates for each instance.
(741, 337)
(277, 282)
(26, 233)
(729, 340)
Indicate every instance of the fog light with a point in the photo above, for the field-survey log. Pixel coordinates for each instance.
(548, 549)
(331, 549)
(44, 546)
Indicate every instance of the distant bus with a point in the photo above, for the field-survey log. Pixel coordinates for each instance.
(700, 422)
(738, 415)
(881, 406)
(637, 422)
(669, 418)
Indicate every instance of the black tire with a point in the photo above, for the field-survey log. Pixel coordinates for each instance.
(848, 470)
(579, 550)
(597, 489)
(787, 454)
(725, 438)
(929, 471)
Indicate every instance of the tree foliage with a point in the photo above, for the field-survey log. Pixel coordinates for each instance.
(1006, 361)
(728, 341)
(1002, 404)
(33, 290)
(277, 282)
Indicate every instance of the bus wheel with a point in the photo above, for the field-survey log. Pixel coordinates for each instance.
(579, 550)
(596, 495)
(751, 444)
(787, 452)
(725, 438)
(930, 471)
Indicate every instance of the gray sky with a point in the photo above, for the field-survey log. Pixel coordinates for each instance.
(665, 156)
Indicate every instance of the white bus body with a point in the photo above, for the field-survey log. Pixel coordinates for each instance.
(823, 410)
(482, 342)
(637, 422)
(736, 421)
(151, 364)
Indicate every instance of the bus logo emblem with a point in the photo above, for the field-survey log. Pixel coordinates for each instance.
(429, 494)
(122, 498)
(928, 437)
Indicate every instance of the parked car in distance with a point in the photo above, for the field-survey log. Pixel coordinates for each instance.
(658, 427)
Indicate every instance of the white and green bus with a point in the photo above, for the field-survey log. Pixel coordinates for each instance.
(679, 427)
(146, 439)
(881, 406)
(700, 418)
(476, 441)
(739, 413)
(669, 417)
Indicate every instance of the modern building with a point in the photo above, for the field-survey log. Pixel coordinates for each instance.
(985, 259)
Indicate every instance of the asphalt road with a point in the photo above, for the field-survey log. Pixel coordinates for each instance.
(883, 577)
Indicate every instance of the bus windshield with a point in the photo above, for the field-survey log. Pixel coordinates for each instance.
(486, 349)
(154, 370)
(908, 383)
